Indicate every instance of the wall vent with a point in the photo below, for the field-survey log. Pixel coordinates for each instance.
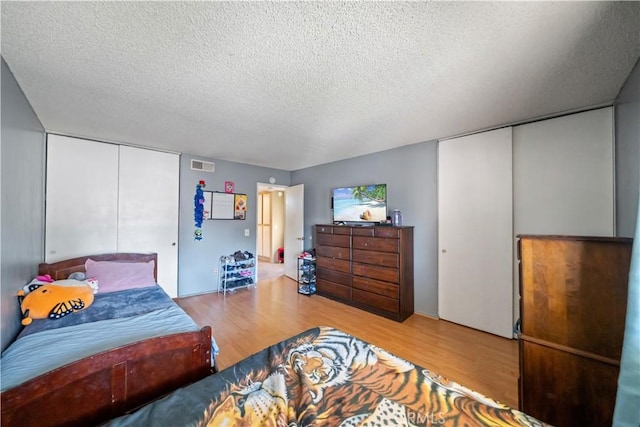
(201, 165)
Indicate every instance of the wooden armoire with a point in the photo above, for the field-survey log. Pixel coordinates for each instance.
(573, 300)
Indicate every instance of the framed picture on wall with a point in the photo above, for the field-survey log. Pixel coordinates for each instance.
(240, 204)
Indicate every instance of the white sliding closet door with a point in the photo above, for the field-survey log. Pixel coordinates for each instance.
(563, 175)
(82, 198)
(563, 178)
(475, 231)
(148, 206)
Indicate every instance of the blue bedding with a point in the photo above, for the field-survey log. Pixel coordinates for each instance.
(114, 321)
(112, 305)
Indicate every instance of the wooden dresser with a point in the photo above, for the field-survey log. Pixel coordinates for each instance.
(573, 299)
(369, 267)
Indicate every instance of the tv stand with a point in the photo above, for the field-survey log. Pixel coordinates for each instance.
(366, 266)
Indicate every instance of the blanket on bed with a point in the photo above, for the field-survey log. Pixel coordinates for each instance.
(131, 302)
(325, 377)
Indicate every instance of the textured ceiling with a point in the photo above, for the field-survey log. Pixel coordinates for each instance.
(295, 84)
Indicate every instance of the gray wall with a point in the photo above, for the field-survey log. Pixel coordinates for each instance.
(410, 172)
(411, 176)
(22, 219)
(197, 259)
(627, 124)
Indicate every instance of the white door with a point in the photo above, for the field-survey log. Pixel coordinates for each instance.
(82, 198)
(148, 209)
(293, 229)
(260, 232)
(563, 175)
(475, 229)
(563, 178)
(266, 226)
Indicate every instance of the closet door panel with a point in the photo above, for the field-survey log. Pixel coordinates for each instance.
(563, 175)
(81, 198)
(266, 208)
(148, 207)
(266, 242)
(475, 226)
(563, 178)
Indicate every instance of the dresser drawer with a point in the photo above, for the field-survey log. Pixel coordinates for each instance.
(386, 289)
(342, 230)
(362, 231)
(333, 252)
(327, 229)
(375, 272)
(374, 300)
(382, 244)
(385, 259)
(333, 264)
(387, 232)
(333, 240)
(334, 276)
(327, 287)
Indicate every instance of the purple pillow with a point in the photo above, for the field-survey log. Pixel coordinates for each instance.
(117, 276)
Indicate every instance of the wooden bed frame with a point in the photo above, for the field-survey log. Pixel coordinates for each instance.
(112, 383)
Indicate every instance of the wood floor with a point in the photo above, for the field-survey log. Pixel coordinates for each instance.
(251, 319)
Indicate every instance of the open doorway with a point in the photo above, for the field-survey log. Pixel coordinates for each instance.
(270, 231)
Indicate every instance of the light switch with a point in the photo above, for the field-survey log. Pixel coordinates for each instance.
(246, 232)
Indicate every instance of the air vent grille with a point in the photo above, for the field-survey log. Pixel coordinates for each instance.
(201, 165)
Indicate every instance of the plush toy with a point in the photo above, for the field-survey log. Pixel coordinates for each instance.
(71, 281)
(53, 301)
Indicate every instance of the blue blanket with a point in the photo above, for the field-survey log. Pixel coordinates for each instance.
(105, 306)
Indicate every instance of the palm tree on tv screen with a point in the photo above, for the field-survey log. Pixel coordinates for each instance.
(371, 192)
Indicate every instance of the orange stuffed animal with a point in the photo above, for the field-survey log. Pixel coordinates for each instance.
(53, 302)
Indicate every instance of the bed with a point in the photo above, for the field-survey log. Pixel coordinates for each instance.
(324, 376)
(127, 348)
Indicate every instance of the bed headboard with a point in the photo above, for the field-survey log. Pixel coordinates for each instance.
(62, 269)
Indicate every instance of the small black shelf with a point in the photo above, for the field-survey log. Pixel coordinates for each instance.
(306, 275)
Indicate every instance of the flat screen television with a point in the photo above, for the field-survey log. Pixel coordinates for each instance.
(364, 203)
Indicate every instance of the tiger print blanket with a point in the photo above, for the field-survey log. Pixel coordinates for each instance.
(325, 377)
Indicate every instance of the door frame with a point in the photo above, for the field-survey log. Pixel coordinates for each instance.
(260, 188)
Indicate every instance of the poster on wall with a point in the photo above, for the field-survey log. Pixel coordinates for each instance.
(240, 203)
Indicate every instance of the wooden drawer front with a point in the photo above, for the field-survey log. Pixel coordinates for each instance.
(342, 230)
(566, 389)
(378, 301)
(331, 288)
(333, 240)
(376, 244)
(362, 231)
(333, 252)
(386, 289)
(579, 284)
(385, 259)
(324, 229)
(333, 264)
(334, 276)
(387, 232)
(374, 272)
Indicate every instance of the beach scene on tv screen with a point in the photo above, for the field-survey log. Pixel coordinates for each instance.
(363, 203)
